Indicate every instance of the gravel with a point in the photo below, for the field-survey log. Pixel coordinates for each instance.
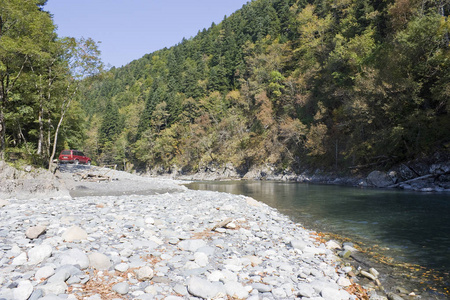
(132, 237)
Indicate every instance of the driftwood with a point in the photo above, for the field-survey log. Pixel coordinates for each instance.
(94, 177)
(222, 224)
(412, 180)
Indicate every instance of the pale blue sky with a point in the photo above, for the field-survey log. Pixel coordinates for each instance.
(128, 29)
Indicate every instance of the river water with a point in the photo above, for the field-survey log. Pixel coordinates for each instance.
(408, 228)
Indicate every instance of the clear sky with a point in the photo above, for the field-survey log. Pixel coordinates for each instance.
(129, 29)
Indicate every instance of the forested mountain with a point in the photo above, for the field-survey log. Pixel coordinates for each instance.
(39, 78)
(292, 83)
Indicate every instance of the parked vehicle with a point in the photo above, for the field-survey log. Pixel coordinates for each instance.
(73, 156)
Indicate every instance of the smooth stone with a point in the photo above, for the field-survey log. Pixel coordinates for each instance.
(44, 273)
(261, 287)
(74, 257)
(20, 260)
(35, 231)
(55, 288)
(173, 298)
(180, 289)
(344, 282)
(37, 294)
(305, 290)
(333, 245)
(23, 290)
(393, 296)
(235, 290)
(39, 253)
(3, 203)
(368, 275)
(374, 272)
(204, 289)
(191, 245)
(63, 273)
(331, 294)
(99, 261)
(74, 233)
(144, 273)
(201, 259)
(298, 244)
(121, 288)
(279, 293)
(122, 267)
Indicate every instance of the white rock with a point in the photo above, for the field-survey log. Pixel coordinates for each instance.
(191, 245)
(279, 293)
(74, 233)
(201, 259)
(374, 272)
(121, 288)
(20, 260)
(44, 273)
(342, 281)
(3, 203)
(298, 244)
(99, 261)
(23, 290)
(39, 253)
(15, 250)
(144, 273)
(54, 288)
(215, 275)
(35, 231)
(204, 289)
(236, 290)
(74, 257)
(190, 265)
(254, 260)
(121, 267)
(333, 245)
(149, 220)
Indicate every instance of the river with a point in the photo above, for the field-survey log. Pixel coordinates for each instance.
(403, 228)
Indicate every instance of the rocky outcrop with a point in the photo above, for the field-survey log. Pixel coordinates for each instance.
(29, 182)
(379, 179)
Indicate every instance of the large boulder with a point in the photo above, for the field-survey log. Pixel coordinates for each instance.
(379, 179)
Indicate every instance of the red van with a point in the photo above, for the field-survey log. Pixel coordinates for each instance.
(73, 156)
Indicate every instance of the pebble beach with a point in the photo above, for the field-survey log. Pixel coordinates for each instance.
(165, 242)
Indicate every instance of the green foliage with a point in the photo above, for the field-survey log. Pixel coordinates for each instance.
(285, 82)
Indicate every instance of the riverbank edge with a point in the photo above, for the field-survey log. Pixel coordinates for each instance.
(58, 190)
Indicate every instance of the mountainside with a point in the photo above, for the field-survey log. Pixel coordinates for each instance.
(293, 84)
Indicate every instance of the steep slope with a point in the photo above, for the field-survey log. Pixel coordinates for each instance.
(289, 83)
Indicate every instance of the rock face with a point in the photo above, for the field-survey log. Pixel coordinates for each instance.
(35, 183)
(379, 179)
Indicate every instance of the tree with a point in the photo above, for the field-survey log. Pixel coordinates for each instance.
(82, 58)
(24, 32)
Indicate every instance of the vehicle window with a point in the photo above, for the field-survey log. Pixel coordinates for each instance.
(65, 152)
(81, 154)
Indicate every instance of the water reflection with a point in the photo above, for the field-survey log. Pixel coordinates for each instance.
(416, 227)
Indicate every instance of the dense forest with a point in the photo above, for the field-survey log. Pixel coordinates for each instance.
(290, 83)
(40, 76)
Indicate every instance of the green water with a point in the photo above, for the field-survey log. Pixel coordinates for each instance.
(410, 227)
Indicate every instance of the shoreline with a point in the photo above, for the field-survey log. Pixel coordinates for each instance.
(243, 229)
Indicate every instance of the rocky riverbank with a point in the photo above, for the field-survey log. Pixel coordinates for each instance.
(165, 242)
(424, 175)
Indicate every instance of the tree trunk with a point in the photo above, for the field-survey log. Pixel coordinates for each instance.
(2, 133)
(41, 129)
